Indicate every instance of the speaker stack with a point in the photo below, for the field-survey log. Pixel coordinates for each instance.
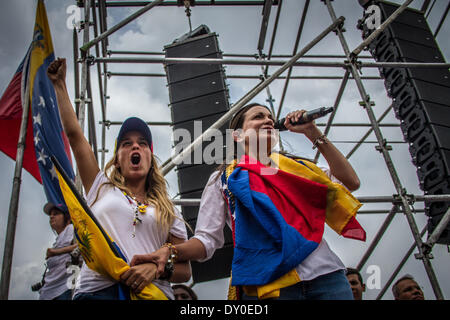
(421, 100)
(198, 97)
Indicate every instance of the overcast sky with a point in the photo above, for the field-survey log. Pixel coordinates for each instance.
(238, 30)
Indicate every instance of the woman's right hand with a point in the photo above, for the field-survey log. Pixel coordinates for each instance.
(56, 71)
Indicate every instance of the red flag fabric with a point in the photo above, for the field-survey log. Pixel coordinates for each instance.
(10, 120)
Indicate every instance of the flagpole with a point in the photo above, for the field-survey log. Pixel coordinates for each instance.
(14, 203)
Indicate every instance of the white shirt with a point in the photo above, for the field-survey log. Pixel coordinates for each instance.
(56, 276)
(213, 215)
(115, 214)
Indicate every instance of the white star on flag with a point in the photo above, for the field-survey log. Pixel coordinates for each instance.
(53, 172)
(42, 157)
(41, 101)
(37, 119)
(36, 139)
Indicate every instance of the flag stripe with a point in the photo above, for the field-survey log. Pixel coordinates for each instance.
(11, 103)
(49, 137)
(85, 207)
(266, 246)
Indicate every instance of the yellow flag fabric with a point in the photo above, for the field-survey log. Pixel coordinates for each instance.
(42, 45)
(272, 290)
(99, 253)
(342, 206)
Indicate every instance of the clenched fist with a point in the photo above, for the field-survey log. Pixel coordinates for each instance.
(56, 71)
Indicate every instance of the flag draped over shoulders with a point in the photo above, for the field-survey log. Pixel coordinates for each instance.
(45, 135)
(99, 251)
(279, 218)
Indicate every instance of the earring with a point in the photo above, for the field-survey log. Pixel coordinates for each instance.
(237, 135)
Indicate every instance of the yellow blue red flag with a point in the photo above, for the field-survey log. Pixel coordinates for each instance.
(49, 137)
(45, 135)
(99, 251)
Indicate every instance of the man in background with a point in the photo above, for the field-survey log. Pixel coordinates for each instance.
(406, 288)
(356, 283)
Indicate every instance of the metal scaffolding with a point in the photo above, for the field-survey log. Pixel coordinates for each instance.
(96, 51)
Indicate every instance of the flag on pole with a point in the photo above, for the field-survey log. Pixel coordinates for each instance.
(11, 117)
(45, 135)
(100, 252)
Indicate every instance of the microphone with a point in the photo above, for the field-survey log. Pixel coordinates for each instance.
(308, 116)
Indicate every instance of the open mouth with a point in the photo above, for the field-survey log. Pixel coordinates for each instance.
(135, 158)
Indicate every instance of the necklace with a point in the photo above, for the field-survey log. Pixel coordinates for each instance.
(140, 208)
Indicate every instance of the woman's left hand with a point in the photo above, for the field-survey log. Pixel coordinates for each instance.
(139, 276)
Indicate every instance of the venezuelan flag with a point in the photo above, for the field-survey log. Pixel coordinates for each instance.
(44, 133)
(99, 251)
(49, 136)
(279, 218)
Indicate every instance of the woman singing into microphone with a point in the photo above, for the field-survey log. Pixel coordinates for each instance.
(277, 208)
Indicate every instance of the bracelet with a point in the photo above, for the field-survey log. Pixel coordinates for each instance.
(169, 267)
(319, 141)
(173, 252)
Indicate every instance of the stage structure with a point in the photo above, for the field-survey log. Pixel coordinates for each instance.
(90, 52)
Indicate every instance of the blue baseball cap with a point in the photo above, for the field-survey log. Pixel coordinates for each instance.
(135, 124)
(60, 207)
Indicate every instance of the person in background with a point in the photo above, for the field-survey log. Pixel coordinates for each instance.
(183, 292)
(58, 258)
(406, 288)
(356, 283)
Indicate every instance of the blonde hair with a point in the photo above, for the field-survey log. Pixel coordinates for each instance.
(155, 195)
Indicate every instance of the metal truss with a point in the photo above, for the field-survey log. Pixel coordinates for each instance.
(95, 52)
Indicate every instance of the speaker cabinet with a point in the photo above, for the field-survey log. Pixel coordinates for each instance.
(421, 99)
(198, 98)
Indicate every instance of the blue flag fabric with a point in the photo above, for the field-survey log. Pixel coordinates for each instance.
(49, 137)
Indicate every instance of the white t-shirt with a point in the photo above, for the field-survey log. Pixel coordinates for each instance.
(56, 276)
(213, 214)
(115, 214)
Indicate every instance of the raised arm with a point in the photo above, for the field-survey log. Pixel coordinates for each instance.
(84, 155)
(339, 165)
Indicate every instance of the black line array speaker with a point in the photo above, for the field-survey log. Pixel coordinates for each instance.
(198, 98)
(421, 98)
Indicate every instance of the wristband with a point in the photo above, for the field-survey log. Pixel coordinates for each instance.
(319, 141)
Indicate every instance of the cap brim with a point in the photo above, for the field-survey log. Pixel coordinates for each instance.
(48, 208)
(134, 124)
